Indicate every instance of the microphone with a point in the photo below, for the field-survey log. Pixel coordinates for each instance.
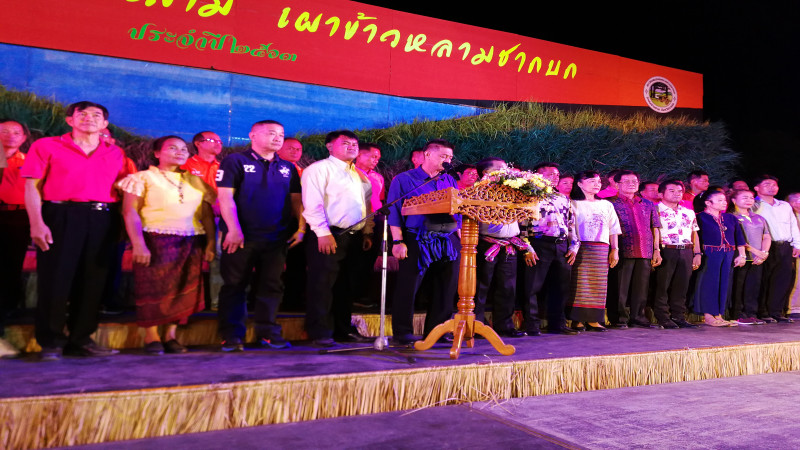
(449, 168)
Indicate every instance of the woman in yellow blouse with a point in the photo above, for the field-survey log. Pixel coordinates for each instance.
(169, 220)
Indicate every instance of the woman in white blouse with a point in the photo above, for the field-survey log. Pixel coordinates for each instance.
(597, 227)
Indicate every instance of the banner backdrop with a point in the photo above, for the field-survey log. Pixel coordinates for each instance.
(348, 45)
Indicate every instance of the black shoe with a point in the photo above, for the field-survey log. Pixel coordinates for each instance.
(446, 338)
(352, 337)
(90, 349)
(274, 342)
(533, 332)
(781, 319)
(232, 345)
(579, 328)
(50, 354)
(173, 346)
(593, 328)
(619, 326)
(645, 324)
(324, 342)
(562, 330)
(154, 348)
(669, 325)
(512, 333)
(405, 339)
(682, 323)
(768, 319)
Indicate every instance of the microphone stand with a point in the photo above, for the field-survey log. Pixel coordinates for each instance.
(381, 343)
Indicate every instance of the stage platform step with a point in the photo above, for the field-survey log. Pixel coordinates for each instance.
(128, 396)
(123, 333)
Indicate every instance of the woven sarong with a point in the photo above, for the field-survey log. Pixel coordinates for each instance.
(590, 283)
(170, 289)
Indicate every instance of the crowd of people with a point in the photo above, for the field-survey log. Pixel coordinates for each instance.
(607, 247)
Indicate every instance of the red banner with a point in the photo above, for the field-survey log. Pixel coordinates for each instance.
(348, 45)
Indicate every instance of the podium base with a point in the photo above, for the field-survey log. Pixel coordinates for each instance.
(464, 328)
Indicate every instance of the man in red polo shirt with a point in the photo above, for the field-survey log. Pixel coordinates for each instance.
(14, 230)
(205, 164)
(72, 204)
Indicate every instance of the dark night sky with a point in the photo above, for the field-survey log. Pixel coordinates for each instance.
(747, 52)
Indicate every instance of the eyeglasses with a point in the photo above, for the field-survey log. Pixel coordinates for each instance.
(213, 141)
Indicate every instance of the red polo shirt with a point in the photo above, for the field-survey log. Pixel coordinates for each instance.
(69, 174)
(12, 187)
(203, 169)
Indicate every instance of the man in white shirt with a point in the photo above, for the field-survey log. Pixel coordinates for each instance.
(680, 255)
(777, 281)
(336, 197)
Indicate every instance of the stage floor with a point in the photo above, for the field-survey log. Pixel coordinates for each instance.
(133, 370)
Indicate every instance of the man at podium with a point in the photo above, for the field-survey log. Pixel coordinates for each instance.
(425, 244)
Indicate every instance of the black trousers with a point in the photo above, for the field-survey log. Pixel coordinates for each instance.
(503, 272)
(15, 236)
(329, 304)
(551, 272)
(236, 269)
(672, 284)
(443, 277)
(746, 286)
(632, 279)
(777, 281)
(73, 272)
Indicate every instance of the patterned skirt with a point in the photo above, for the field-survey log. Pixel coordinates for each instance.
(170, 289)
(589, 283)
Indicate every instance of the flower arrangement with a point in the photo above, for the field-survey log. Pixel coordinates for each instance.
(528, 183)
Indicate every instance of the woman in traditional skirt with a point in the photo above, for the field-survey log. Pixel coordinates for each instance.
(597, 227)
(721, 237)
(171, 226)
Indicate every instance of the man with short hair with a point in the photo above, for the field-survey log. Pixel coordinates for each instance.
(680, 254)
(639, 251)
(292, 151)
(15, 235)
(467, 175)
(258, 194)
(496, 265)
(426, 244)
(72, 205)
(416, 157)
(777, 282)
(336, 200)
(698, 182)
(204, 163)
(648, 190)
(548, 267)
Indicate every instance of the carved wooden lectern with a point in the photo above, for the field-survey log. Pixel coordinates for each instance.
(485, 203)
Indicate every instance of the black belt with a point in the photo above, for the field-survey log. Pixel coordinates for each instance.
(336, 231)
(95, 206)
(7, 207)
(555, 239)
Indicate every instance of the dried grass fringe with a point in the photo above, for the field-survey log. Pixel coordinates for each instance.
(63, 420)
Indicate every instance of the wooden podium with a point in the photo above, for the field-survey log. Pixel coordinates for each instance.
(485, 203)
